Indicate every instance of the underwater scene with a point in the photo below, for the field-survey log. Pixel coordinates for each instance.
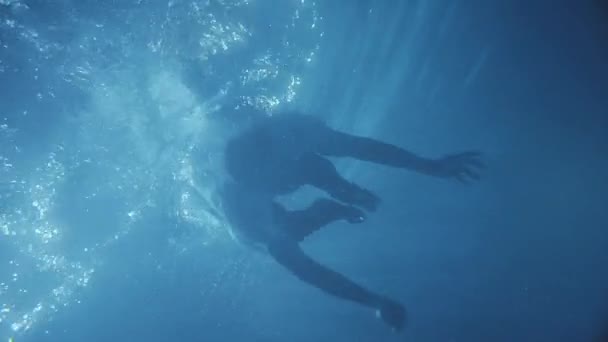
(299, 170)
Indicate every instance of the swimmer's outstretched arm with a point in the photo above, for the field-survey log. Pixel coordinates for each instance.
(461, 166)
(289, 254)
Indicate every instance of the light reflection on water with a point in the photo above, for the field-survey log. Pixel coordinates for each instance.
(159, 128)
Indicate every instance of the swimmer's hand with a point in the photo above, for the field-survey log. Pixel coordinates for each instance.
(392, 313)
(464, 166)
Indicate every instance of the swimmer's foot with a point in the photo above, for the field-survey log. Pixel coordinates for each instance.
(353, 214)
(392, 313)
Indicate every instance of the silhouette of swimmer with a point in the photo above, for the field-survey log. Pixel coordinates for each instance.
(279, 154)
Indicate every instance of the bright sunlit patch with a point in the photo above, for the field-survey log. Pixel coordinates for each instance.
(145, 140)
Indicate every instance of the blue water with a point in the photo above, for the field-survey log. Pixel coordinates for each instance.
(111, 147)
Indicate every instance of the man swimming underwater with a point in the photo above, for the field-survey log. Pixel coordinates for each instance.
(279, 154)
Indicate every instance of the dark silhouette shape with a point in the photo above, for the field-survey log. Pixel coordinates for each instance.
(279, 154)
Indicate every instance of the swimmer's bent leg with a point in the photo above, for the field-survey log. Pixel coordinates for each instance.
(301, 223)
(319, 172)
